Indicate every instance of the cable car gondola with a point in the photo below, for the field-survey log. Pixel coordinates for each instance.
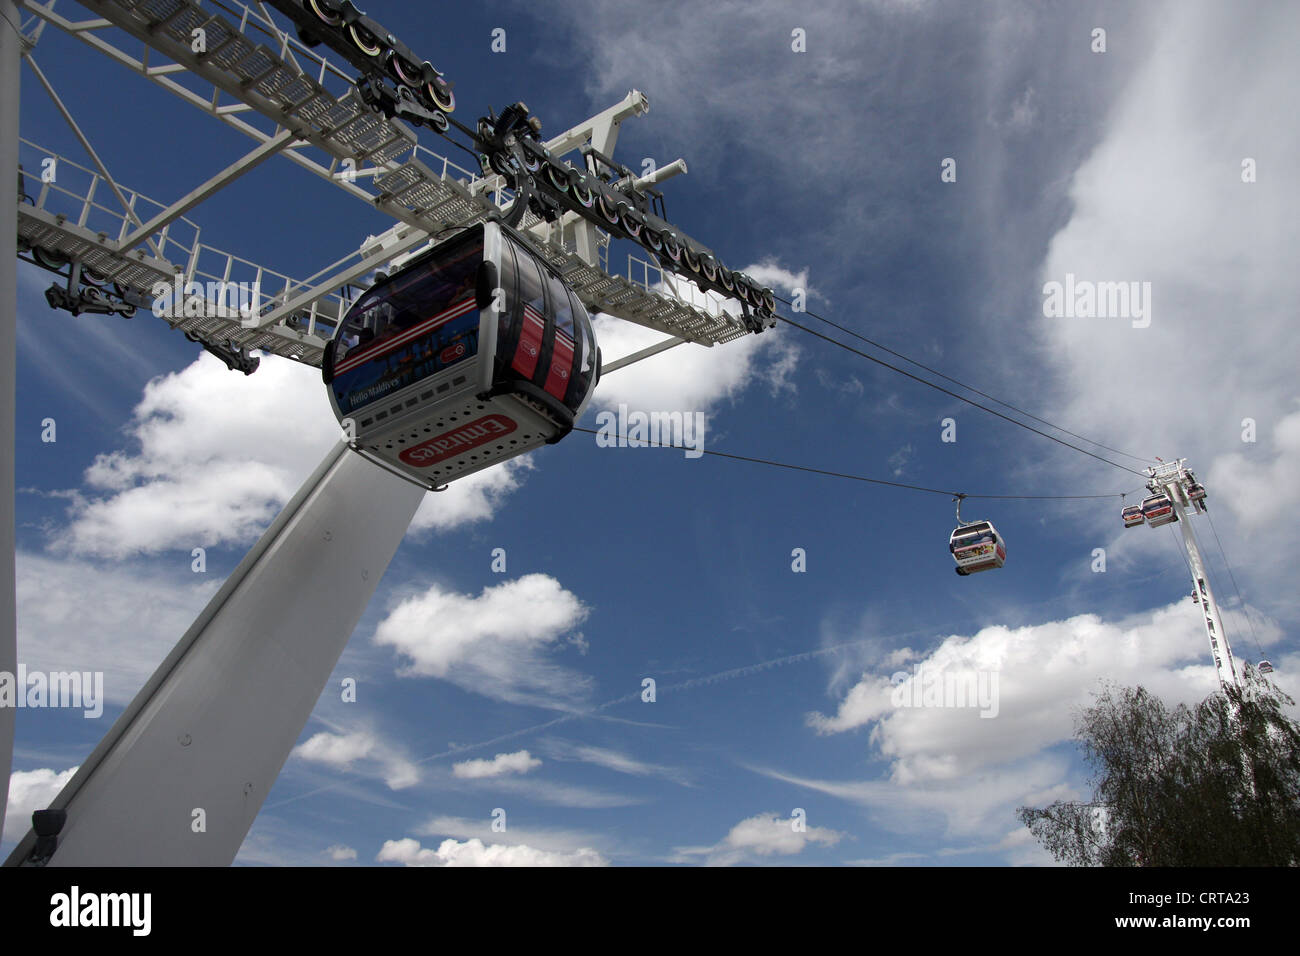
(1265, 667)
(976, 545)
(472, 353)
(1158, 510)
(1132, 516)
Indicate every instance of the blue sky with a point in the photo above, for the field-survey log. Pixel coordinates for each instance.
(819, 169)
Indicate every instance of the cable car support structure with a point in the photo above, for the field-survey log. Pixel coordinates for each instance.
(205, 738)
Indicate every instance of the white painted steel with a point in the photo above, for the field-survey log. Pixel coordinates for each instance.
(216, 722)
(1209, 607)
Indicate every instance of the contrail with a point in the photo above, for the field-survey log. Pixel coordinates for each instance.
(690, 684)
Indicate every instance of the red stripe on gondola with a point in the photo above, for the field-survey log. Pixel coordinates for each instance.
(442, 318)
(530, 342)
(557, 378)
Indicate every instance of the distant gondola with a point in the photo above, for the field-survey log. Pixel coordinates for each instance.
(472, 353)
(1132, 516)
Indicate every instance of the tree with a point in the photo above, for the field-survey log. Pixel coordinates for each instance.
(1214, 785)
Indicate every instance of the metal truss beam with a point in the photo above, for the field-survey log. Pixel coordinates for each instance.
(90, 150)
(197, 195)
(409, 240)
(415, 186)
(644, 353)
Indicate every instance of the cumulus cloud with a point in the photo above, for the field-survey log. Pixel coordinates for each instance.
(778, 278)
(217, 455)
(764, 835)
(521, 761)
(474, 852)
(339, 853)
(551, 839)
(688, 377)
(1041, 675)
(31, 790)
(497, 643)
(363, 752)
(476, 497)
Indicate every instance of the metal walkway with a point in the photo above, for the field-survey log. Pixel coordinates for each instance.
(253, 71)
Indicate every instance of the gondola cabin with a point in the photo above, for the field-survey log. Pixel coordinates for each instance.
(1158, 510)
(977, 547)
(1133, 516)
(1265, 667)
(474, 352)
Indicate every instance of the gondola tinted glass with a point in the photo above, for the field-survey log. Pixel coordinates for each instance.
(408, 328)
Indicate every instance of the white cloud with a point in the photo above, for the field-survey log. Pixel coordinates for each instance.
(31, 790)
(1044, 673)
(542, 838)
(610, 760)
(343, 751)
(962, 807)
(494, 644)
(475, 853)
(1260, 492)
(521, 761)
(473, 498)
(778, 278)
(764, 835)
(899, 459)
(217, 456)
(339, 853)
(688, 377)
(562, 794)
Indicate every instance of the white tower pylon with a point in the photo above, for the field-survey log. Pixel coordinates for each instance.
(1174, 480)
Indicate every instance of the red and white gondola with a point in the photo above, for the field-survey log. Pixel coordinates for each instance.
(472, 353)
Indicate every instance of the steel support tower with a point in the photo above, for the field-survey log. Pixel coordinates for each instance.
(1174, 480)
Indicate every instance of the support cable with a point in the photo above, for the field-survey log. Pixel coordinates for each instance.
(839, 474)
(962, 398)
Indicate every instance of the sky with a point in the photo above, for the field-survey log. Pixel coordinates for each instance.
(791, 622)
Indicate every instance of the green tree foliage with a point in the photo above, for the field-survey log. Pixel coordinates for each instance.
(1214, 785)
